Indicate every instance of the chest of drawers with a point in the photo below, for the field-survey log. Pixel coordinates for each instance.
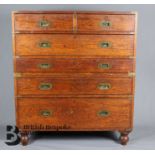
(74, 71)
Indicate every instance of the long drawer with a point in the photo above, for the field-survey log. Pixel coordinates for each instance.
(50, 44)
(85, 85)
(73, 113)
(73, 65)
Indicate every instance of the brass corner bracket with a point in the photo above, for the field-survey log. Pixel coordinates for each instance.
(74, 22)
(17, 75)
(131, 74)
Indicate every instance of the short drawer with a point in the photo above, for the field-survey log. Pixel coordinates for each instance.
(74, 113)
(74, 65)
(95, 23)
(46, 44)
(61, 85)
(43, 22)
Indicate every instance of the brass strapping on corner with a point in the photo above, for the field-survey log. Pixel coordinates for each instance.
(17, 57)
(17, 75)
(131, 74)
(74, 22)
(132, 57)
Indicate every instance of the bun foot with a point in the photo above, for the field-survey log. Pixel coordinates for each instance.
(124, 137)
(24, 139)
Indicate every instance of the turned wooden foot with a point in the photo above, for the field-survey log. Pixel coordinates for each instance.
(124, 137)
(24, 139)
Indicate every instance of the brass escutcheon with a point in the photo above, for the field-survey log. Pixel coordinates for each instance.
(104, 66)
(105, 44)
(43, 23)
(106, 24)
(104, 86)
(45, 86)
(103, 113)
(44, 65)
(44, 44)
(45, 113)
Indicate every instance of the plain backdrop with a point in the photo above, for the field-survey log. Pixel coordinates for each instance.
(144, 115)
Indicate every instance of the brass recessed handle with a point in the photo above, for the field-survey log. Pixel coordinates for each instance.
(103, 113)
(45, 86)
(44, 65)
(45, 113)
(44, 44)
(104, 86)
(104, 66)
(43, 24)
(106, 24)
(105, 44)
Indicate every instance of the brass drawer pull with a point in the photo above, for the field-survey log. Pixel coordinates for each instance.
(45, 113)
(44, 65)
(103, 113)
(43, 24)
(104, 86)
(104, 66)
(106, 24)
(105, 44)
(45, 86)
(44, 44)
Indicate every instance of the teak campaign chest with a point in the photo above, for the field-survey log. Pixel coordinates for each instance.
(74, 71)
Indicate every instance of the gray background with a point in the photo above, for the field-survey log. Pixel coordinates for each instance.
(143, 135)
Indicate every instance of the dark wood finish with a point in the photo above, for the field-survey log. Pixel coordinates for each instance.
(28, 44)
(29, 22)
(73, 65)
(75, 101)
(92, 23)
(124, 136)
(75, 113)
(24, 139)
(28, 86)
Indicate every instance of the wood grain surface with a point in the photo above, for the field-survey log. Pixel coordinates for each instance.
(76, 113)
(60, 60)
(29, 44)
(73, 65)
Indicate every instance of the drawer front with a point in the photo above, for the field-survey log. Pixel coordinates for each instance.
(52, 86)
(102, 23)
(74, 113)
(44, 22)
(73, 65)
(46, 44)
